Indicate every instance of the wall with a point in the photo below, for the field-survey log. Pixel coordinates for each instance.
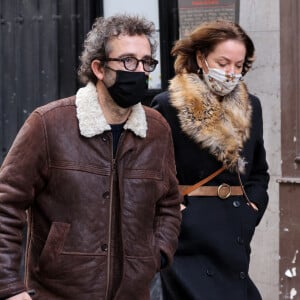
(261, 20)
(289, 189)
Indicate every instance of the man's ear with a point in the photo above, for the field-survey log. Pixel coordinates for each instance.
(97, 69)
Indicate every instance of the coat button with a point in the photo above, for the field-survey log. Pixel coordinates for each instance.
(104, 139)
(242, 275)
(236, 203)
(104, 247)
(106, 195)
(240, 240)
(209, 272)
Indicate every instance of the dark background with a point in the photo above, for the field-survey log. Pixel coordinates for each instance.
(40, 42)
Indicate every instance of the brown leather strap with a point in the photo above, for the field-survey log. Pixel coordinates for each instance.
(222, 191)
(253, 205)
(190, 188)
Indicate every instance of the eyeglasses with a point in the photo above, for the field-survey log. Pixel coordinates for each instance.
(131, 63)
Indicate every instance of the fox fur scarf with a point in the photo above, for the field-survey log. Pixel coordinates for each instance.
(220, 126)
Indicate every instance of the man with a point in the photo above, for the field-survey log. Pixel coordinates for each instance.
(96, 174)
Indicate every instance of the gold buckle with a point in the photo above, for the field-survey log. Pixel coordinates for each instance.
(224, 191)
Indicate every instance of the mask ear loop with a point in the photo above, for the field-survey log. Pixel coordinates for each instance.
(206, 63)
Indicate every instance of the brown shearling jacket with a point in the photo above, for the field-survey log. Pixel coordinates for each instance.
(97, 224)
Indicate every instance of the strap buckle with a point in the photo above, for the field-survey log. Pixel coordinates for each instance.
(224, 191)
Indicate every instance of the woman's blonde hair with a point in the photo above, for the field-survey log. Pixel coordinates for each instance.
(204, 39)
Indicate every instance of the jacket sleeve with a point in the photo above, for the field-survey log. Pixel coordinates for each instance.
(256, 185)
(168, 215)
(21, 176)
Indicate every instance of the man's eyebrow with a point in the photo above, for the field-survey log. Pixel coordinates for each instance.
(127, 54)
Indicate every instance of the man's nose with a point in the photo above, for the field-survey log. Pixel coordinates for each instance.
(140, 67)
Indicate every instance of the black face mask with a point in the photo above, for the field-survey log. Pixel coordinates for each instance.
(129, 89)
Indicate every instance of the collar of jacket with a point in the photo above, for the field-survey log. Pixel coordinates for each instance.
(220, 126)
(91, 118)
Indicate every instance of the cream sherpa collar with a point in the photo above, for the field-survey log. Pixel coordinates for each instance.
(91, 118)
(221, 127)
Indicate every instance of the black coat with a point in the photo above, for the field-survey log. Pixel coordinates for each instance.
(212, 260)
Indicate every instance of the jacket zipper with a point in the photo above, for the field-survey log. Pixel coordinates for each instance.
(109, 258)
(113, 168)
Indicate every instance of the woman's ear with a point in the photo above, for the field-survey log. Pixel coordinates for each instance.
(200, 59)
(97, 69)
(201, 62)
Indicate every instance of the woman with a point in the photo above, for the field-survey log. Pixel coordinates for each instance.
(215, 124)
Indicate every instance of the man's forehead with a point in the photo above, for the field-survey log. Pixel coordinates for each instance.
(129, 45)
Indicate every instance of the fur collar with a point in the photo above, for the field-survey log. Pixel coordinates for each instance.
(221, 127)
(91, 118)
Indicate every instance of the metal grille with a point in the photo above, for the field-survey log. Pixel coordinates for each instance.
(40, 42)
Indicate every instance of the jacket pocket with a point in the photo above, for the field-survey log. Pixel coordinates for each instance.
(53, 246)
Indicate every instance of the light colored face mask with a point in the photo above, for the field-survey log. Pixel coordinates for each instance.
(220, 82)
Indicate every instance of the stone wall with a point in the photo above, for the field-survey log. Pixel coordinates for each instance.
(261, 21)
